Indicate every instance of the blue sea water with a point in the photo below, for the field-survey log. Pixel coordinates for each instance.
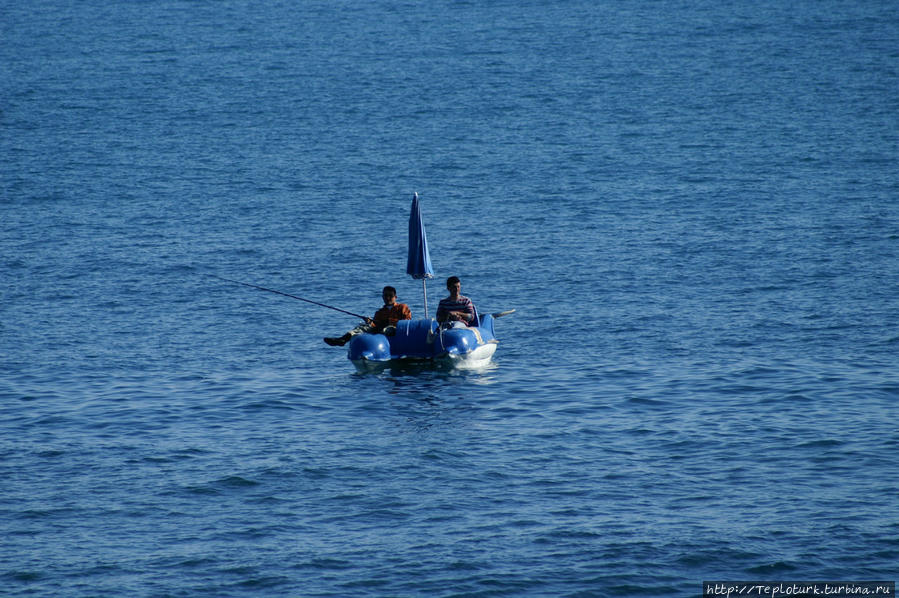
(693, 207)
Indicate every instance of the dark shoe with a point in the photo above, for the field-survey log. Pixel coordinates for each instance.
(338, 341)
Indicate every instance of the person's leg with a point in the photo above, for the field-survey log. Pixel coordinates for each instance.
(339, 341)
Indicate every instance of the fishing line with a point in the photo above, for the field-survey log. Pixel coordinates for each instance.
(246, 284)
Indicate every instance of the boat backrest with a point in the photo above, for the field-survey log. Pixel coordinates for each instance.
(486, 326)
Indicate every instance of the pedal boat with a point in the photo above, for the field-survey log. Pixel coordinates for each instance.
(424, 341)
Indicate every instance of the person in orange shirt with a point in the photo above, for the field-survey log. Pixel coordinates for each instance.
(384, 320)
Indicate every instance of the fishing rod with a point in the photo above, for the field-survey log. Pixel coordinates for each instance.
(246, 284)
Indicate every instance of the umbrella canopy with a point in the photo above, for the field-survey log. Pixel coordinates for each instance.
(418, 265)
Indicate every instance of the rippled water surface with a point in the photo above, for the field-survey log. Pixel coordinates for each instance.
(694, 209)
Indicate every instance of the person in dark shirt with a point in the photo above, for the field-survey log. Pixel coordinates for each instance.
(456, 307)
(384, 320)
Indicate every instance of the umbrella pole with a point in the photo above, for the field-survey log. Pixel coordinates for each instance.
(424, 286)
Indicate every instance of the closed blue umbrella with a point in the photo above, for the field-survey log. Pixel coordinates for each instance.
(418, 265)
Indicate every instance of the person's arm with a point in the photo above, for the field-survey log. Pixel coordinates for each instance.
(380, 319)
(468, 313)
(461, 316)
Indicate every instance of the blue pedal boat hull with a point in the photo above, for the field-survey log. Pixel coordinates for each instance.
(423, 341)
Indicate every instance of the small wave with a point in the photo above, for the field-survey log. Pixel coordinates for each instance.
(269, 404)
(703, 558)
(201, 490)
(220, 485)
(821, 444)
(23, 576)
(265, 582)
(773, 568)
(647, 402)
(185, 562)
(235, 481)
(326, 564)
(50, 453)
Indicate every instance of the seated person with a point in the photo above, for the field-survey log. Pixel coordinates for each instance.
(384, 320)
(455, 310)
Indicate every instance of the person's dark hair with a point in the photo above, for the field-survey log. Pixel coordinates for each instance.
(390, 290)
(452, 280)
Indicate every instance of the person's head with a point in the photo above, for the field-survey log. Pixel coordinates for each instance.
(453, 284)
(389, 294)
